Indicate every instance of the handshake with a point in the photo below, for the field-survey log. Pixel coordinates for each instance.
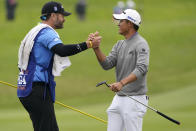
(94, 40)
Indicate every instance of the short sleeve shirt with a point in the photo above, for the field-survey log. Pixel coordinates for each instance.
(44, 41)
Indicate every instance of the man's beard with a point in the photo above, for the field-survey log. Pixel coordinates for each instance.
(58, 24)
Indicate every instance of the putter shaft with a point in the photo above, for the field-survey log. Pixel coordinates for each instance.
(149, 107)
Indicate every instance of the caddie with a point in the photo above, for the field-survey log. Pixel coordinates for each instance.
(42, 55)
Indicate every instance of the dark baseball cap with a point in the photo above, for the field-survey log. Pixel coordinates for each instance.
(54, 7)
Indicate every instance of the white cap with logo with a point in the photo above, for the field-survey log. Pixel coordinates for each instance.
(129, 14)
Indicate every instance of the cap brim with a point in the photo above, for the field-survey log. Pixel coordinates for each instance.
(119, 16)
(66, 13)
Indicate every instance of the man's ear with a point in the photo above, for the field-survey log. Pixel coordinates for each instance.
(52, 14)
(130, 24)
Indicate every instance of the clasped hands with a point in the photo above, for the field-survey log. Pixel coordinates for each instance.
(94, 40)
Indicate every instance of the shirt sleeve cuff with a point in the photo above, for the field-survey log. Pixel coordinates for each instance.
(105, 65)
(137, 73)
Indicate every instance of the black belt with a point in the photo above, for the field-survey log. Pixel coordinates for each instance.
(147, 97)
(40, 83)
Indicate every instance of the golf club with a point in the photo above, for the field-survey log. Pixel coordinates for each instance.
(66, 106)
(158, 112)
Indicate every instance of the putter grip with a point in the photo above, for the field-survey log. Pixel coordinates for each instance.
(169, 118)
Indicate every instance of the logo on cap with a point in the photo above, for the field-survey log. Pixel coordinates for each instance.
(55, 8)
(131, 19)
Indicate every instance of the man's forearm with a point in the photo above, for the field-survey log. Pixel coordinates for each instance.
(131, 78)
(68, 50)
(100, 56)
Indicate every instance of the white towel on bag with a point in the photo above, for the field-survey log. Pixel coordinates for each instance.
(59, 64)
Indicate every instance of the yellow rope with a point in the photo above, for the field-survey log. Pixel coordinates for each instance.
(59, 103)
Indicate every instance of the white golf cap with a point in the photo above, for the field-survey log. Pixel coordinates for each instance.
(129, 14)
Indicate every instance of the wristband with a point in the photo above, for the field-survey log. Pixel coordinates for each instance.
(91, 44)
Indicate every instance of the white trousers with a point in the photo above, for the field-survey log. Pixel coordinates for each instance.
(125, 114)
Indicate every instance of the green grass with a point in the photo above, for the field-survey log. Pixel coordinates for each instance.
(169, 27)
(176, 104)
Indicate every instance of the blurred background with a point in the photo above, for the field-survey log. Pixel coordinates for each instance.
(169, 26)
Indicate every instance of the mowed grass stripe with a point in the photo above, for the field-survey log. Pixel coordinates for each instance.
(171, 103)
